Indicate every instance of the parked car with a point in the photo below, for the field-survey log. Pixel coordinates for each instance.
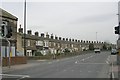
(97, 50)
(114, 52)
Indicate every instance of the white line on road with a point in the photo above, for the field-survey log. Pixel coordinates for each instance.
(64, 70)
(58, 60)
(41, 60)
(82, 59)
(12, 75)
(107, 62)
(76, 62)
(86, 58)
(89, 71)
(91, 63)
(49, 62)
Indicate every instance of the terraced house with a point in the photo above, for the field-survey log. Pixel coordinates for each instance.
(51, 44)
(7, 51)
(12, 22)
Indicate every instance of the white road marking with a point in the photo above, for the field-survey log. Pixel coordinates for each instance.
(113, 76)
(82, 59)
(76, 62)
(91, 63)
(77, 56)
(41, 60)
(58, 60)
(107, 62)
(49, 62)
(64, 70)
(91, 56)
(86, 58)
(12, 75)
(89, 71)
(108, 59)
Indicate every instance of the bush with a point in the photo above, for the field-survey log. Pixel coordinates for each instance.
(66, 50)
(57, 54)
(38, 54)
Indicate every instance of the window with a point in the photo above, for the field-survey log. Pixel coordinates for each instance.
(39, 43)
(28, 42)
(46, 43)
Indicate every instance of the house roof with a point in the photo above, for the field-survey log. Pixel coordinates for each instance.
(6, 14)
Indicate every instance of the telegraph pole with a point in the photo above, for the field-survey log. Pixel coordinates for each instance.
(118, 41)
(25, 28)
(96, 36)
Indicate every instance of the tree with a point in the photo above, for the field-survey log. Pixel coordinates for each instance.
(104, 47)
(91, 46)
(38, 54)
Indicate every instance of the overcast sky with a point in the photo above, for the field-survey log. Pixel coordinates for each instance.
(79, 20)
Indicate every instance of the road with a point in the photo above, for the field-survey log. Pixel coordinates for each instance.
(90, 65)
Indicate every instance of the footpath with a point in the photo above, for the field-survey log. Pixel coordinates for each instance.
(115, 64)
(30, 63)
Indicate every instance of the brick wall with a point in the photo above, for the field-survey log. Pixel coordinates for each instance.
(14, 60)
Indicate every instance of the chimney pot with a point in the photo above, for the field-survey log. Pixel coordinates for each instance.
(42, 34)
(47, 35)
(29, 32)
(36, 34)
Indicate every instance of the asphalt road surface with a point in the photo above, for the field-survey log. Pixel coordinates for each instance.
(89, 65)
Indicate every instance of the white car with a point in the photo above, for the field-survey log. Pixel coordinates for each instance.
(97, 50)
(114, 52)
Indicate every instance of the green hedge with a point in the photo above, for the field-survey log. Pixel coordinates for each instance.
(38, 54)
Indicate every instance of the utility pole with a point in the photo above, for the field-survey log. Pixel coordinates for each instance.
(118, 41)
(96, 36)
(25, 28)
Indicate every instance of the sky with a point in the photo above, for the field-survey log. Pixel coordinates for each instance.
(82, 20)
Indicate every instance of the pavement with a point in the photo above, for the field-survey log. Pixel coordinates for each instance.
(31, 63)
(83, 66)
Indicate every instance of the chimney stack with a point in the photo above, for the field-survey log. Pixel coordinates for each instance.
(42, 35)
(52, 37)
(59, 38)
(20, 29)
(47, 35)
(56, 37)
(63, 39)
(29, 32)
(69, 39)
(66, 39)
(76, 40)
(36, 34)
(73, 40)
